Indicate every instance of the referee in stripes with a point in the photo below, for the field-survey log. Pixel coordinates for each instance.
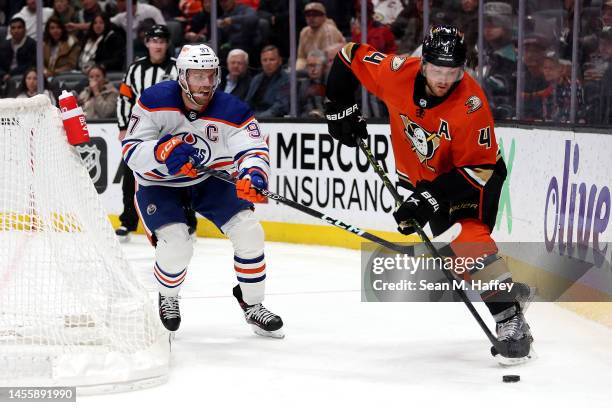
(156, 67)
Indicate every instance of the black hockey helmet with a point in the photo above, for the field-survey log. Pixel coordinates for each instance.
(158, 31)
(444, 46)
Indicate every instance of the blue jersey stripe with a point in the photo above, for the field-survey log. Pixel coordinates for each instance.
(251, 280)
(249, 261)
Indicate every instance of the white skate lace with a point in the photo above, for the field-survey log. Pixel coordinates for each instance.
(170, 307)
(509, 329)
(259, 313)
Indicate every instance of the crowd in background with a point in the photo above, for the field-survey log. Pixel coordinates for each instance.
(84, 49)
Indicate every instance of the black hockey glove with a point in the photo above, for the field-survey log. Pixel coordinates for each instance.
(345, 123)
(419, 207)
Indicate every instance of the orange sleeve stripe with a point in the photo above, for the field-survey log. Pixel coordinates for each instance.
(255, 270)
(156, 109)
(127, 147)
(125, 90)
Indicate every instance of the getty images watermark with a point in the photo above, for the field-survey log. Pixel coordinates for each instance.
(459, 265)
(416, 276)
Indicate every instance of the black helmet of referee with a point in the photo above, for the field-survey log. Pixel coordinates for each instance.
(158, 31)
(444, 46)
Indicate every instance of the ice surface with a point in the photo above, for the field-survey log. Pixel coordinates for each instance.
(341, 352)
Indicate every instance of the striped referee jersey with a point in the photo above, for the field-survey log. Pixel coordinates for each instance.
(139, 76)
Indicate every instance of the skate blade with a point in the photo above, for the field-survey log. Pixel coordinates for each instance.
(276, 334)
(124, 239)
(171, 336)
(510, 362)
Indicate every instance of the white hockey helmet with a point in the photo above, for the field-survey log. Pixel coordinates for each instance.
(196, 57)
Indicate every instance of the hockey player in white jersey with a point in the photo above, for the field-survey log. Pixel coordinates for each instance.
(175, 127)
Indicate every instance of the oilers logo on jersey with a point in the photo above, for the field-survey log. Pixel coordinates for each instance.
(199, 143)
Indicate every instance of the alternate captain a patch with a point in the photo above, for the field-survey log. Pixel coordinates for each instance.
(424, 143)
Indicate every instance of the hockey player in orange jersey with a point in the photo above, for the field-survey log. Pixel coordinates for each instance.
(443, 139)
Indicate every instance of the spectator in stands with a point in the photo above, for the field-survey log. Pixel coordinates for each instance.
(102, 46)
(254, 4)
(198, 30)
(499, 59)
(64, 12)
(556, 101)
(408, 26)
(60, 50)
(11, 7)
(331, 52)
(29, 86)
(311, 90)
(237, 81)
(17, 54)
(237, 28)
(535, 85)
(597, 63)
(99, 99)
(340, 12)
(379, 35)
(28, 14)
(320, 33)
(189, 8)
(386, 11)
(269, 90)
(90, 9)
(467, 21)
(141, 12)
(598, 82)
(169, 8)
(606, 13)
(274, 19)
(173, 18)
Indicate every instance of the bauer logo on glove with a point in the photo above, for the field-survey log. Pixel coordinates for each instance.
(345, 123)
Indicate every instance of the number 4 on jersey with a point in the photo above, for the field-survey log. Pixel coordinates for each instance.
(484, 137)
(374, 58)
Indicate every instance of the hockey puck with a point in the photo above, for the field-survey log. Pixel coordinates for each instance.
(511, 378)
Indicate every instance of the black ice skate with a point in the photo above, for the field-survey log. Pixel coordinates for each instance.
(123, 234)
(525, 295)
(169, 312)
(262, 321)
(515, 333)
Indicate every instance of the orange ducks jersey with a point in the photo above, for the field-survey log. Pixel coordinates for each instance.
(452, 132)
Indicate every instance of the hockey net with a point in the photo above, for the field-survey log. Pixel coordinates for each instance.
(72, 312)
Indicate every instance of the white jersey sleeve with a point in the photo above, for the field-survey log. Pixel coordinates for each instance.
(248, 147)
(142, 135)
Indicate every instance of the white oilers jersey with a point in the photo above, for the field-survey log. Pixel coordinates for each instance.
(226, 135)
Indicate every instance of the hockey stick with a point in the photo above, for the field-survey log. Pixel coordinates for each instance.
(409, 250)
(502, 348)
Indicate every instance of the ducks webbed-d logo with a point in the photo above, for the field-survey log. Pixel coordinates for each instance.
(424, 143)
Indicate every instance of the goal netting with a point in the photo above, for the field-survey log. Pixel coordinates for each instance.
(72, 311)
